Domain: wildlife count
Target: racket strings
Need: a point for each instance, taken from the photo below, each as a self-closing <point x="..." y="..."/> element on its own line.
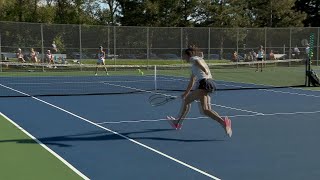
<point x="160" y="99"/>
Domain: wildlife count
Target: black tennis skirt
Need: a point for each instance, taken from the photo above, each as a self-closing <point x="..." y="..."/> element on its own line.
<point x="207" y="84"/>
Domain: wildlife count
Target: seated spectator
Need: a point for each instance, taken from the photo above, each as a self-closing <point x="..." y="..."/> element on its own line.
<point x="20" y="56"/>
<point x="248" y="57"/>
<point x="33" y="56"/>
<point x="49" y="58"/>
<point x="296" y="52"/>
<point x="253" y="55"/>
<point x="271" y="55"/>
<point x="235" y="56"/>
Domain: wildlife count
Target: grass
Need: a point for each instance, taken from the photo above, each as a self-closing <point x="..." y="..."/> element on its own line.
<point x="23" y="158"/>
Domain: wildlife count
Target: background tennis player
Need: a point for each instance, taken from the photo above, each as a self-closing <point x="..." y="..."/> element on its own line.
<point x="101" y="60"/>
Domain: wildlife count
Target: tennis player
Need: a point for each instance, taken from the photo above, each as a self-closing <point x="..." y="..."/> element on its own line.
<point x="101" y="60"/>
<point x="201" y="76"/>
<point x="260" y="58"/>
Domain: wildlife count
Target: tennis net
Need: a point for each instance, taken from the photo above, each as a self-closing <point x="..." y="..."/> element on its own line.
<point x="29" y="79"/>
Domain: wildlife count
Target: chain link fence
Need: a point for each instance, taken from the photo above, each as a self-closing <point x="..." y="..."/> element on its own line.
<point x="147" y="45"/>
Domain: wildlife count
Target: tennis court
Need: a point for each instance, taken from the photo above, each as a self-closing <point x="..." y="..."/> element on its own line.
<point x="103" y="127"/>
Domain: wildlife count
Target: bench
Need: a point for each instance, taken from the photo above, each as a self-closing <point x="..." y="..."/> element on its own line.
<point x="59" y="58"/>
<point x="6" y="55"/>
<point x="111" y="56"/>
<point x="279" y="56"/>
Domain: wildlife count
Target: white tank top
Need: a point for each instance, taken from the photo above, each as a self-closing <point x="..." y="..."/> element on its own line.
<point x="20" y="55"/>
<point x="196" y="70"/>
<point x="100" y="56"/>
<point x="260" y="54"/>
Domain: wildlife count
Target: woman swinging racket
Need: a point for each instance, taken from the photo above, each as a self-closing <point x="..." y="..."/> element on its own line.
<point x="201" y="76"/>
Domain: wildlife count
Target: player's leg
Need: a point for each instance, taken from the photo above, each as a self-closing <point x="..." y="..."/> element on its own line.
<point x="185" y="107"/>
<point x="104" y="65"/>
<point x="205" y="102"/>
<point x="96" y="73"/>
<point x="205" y="106"/>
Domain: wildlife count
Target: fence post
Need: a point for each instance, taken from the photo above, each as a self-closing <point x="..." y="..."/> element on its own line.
<point x="209" y="39"/>
<point x="42" y="47"/>
<point x="290" y="43"/>
<point x="265" y="45"/>
<point x="318" y="46"/>
<point x="181" y="44"/>
<point x="114" y="45"/>
<point x="148" y="48"/>
<point x="108" y="43"/>
<point x="80" y="46"/>
<point x="237" y="46"/>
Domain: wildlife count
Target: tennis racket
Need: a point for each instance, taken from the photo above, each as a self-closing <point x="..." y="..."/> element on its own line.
<point x="160" y="99"/>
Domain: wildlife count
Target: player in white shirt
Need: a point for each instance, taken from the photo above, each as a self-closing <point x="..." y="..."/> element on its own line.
<point x="202" y="78"/>
<point x="260" y="56"/>
<point x="101" y="60"/>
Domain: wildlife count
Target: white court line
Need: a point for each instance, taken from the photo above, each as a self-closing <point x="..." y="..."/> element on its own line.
<point x="121" y="135"/>
<point x="227" y="107"/>
<point x="157" y="120"/>
<point x="46" y="148"/>
<point x="204" y="117"/>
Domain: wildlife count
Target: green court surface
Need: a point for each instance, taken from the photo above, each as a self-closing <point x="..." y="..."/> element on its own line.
<point x="23" y="158"/>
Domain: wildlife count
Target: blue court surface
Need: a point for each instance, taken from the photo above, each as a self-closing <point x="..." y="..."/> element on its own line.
<point x="121" y="136"/>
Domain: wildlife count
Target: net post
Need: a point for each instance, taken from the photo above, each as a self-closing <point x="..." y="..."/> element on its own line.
<point x="155" y="77"/>
<point x="309" y="53"/>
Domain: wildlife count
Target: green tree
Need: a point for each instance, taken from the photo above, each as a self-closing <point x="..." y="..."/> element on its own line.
<point x="275" y="13"/>
<point x="169" y="13"/>
<point x="312" y="9"/>
<point x="131" y="13"/>
<point x="223" y="13"/>
<point x="18" y="10"/>
<point x="110" y="13"/>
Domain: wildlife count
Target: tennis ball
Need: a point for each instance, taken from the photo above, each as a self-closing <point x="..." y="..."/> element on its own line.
<point x="142" y="73"/>
<point x="139" y="70"/>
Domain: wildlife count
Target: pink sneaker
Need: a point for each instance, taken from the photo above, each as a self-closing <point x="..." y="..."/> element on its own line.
<point x="175" y="126"/>
<point x="228" y="128"/>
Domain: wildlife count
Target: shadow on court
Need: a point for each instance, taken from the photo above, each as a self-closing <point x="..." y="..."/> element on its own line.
<point x="104" y="136"/>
